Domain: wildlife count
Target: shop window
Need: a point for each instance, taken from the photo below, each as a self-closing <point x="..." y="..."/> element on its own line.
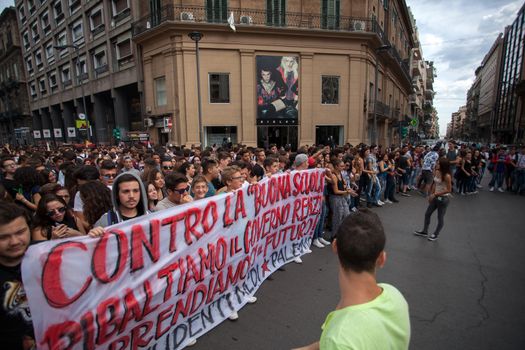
<point x="219" y="87"/>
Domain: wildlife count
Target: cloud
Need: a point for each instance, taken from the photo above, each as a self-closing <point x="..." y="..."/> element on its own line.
<point x="456" y="35"/>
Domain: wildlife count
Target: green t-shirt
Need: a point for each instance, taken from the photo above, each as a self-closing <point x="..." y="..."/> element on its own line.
<point x="381" y="324"/>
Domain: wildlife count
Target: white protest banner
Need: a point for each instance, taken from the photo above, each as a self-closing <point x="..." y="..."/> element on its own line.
<point x="162" y="279"/>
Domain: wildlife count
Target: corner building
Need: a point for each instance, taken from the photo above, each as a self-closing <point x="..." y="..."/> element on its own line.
<point x="294" y="72"/>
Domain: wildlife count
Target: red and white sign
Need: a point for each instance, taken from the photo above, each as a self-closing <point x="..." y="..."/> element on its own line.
<point x="162" y="279"/>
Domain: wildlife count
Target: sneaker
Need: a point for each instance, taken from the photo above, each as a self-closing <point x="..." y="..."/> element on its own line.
<point x="420" y="233"/>
<point x="377" y="205"/>
<point x="479" y="186"/>
<point x="354" y="210"/>
<point x="308" y="251"/>
<point x="404" y="194"/>
<point x="432" y="237"/>
<point x="234" y="316"/>
<point x="298" y="260"/>
<point x="251" y="300"/>
<point x="324" y="241"/>
<point x="317" y="243"/>
<point x="491" y="189"/>
<point x="501" y="189"/>
<point x="475" y="192"/>
<point x="388" y="201"/>
<point x="380" y="202"/>
<point x="192" y="342"/>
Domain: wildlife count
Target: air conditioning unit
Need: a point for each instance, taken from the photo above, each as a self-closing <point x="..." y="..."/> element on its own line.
<point x="148" y="122"/>
<point x="246" y="20"/>
<point x="358" y="26"/>
<point x="187" y="16"/>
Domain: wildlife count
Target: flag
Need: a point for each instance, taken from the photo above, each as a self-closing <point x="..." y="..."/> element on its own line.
<point x="231" y="21"/>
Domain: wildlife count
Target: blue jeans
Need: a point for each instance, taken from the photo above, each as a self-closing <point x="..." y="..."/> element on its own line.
<point x="497" y="179"/>
<point x="374" y="190"/>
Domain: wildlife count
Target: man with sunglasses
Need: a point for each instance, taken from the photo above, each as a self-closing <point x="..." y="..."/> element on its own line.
<point x="108" y="172"/>
<point x="166" y="166"/>
<point x="178" y="191"/>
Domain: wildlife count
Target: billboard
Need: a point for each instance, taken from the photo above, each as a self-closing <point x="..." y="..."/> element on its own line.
<point x="277" y="90"/>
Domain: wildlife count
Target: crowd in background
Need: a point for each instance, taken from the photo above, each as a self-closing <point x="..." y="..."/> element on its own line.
<point x="73" y="191"/>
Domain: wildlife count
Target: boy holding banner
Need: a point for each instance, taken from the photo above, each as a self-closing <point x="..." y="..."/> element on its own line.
<point x="369" y="315"/>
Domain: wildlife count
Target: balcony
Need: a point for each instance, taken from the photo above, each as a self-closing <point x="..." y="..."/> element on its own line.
<point x="383" y="110"/>
<point x="254" y="17"/>
<point x="101" y="70"/>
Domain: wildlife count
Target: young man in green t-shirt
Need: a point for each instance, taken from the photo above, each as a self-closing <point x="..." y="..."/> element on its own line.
<point x="369" y="315"/>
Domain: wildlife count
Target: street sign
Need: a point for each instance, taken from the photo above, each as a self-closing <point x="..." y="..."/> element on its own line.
<point x="36" y="134"/>
<point x="57" y="132"/>
<point x="81" y="116"/>
<point x="414" y="122"/>
<point x="81" y="124"/>
<point x="46" y="133"/>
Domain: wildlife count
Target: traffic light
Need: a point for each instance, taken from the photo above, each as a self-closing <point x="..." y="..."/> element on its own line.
<point x="116" y="133"/>
<point x="404" y="132"/>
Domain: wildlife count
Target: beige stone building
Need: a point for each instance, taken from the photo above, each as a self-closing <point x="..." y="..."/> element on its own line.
<point x="318" y="58"/>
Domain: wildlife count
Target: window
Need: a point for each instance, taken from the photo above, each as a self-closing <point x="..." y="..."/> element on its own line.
<point x="276" y="12"/>
<point x="217" y="10"/>
<point x="45" y="23"/>
<point x="81" y="67"/>
<point x="74" y="6"/>
<point x="100" y="62"/>
<point x="77" y="32"/>
<point x="25" y="39"/>
<point x="22" y="13"/>
<point x="65" y="72"/>
<point x="61" y="40"/>
<point x="160" y="91"/>
<point x="119" y="6"/>
<point x="219" y="88"/>
<point x="29" y="65"/>
<point x="38" y="59"/>
<point x="50" y="52"/>
<point x="330" y="90"/>
<point x="42" y="84"/>
<point x="31" y="6"/>
<point x="123" y="47"/>
<point x="58" y="12"/>
<point x="330" y="12"/>
<point x="34" y="32"/>
<point x="32" y="88"/>
<point x="52" y="77"/>
<point x="96" y="19"/>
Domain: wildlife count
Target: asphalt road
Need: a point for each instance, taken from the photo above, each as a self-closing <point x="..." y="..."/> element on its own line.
<point x="465" y="291"/>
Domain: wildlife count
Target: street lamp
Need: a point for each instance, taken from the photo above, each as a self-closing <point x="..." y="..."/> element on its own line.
<point x="77" y="51"/>
<point x="377" y="51"/>
<point x="197" y="36"/>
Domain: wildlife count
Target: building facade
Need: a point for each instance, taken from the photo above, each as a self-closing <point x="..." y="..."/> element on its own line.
<point x="15" y="115"/>
<point x="490" y="75"/>
<point x="294" y="72"/>
<point x="81" y="68"/>
<point x="509" y="122"/>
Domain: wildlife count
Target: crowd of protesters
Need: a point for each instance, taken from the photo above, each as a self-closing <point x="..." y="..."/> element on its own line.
<point x="68" y="191"/>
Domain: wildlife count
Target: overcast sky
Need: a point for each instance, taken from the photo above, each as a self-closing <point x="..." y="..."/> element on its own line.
<point x="456" y="35"/>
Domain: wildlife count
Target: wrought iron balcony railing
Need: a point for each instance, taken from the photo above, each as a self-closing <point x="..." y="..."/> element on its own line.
<point x="254" y="17"/>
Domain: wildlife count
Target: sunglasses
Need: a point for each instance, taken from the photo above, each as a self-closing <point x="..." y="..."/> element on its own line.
<point x="109" y="176"/>
<point x="167" y="167"/>
<point x="53" y="212"/>
<point x="238" y="177"/>
<point x="184" y="190"/>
